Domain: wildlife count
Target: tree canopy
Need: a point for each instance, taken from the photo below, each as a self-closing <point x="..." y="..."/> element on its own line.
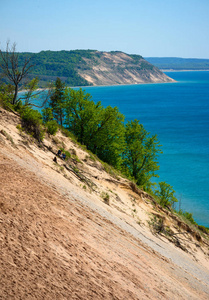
<point x="100" y="129"/>
<point x="140" y="153"/>
<point x="128" y="147"/>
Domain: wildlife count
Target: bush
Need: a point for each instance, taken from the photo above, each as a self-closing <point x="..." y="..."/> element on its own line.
<point x="203" y="229"/>
<point x="156" y="224"/>
<point x="165" y="195"/>
<point x="188" y="216"/>
<point x="6" y="95"/>
<point x="52" y="127"/>
<point x="32" y="123"/>
<point x="106" y="198"/>
<point x="19" y="106"/>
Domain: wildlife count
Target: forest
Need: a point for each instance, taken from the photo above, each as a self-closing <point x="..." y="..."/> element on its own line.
<point x="177" y="63"/>
<point x="48" y="65"/>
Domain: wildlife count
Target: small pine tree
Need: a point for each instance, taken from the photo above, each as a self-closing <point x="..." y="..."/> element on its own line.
<point x="57" y="101"/>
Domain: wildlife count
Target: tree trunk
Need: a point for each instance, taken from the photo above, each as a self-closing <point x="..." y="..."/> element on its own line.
<point x="15" y="95"/>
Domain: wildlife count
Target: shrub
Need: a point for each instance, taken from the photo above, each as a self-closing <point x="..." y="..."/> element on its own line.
<point x="106" y="198"/>
<point x="6" y="95"/>
<point x="188" y="216"/>
<point x="203" y="229"/>
<point x="19" y="127"/>
<point x="32" y="123"/>
<point x="8" y="137"/>
<point x="165" y="194"/>
<point x="156" y="224"/>
<point x="19" y="106"/>
<point x="65" y="132"/>
<point x="52" y="127"/>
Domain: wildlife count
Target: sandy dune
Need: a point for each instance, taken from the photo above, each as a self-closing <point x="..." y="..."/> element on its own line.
<point x="59" y="240"/>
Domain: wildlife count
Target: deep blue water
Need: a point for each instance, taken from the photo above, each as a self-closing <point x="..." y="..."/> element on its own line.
<point x="179" y="114"/>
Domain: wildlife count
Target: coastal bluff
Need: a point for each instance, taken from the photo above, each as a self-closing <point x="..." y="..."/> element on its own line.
<point x="93" y="68"/>
<point x="61" y="237"/>
<point x="114" y="68"/>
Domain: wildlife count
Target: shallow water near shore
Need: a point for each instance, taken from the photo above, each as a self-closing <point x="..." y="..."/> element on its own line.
<point x="179" y="114"/>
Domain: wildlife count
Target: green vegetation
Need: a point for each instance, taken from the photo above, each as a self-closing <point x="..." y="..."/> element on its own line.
<point x="106" y="198"/>
<point x="177" y="63"/>
<point x="100" y="129"/>
<point x="32" y="123"/>
<point x="140" y="154"/>
<point x="156" y="224"/>
<point x="188" y="216"/>
<point x="52" y="127"/>
<point x="165" y="194"/>
<point x="126" y="147"/>
<point x="6" y="95"/>
<point x="57" y="102"/>
<point x="8" y="137"/>
<point x="48" y="65"/>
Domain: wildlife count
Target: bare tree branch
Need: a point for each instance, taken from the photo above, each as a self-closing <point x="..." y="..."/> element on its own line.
<point x="9" y="65"/>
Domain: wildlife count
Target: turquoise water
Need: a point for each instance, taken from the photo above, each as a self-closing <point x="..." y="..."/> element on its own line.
<point x="179" y="114"/>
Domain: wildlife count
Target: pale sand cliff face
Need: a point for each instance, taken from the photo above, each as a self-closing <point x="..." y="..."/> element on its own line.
<point x="60" y="240"/>
<point x="111" y="69"/>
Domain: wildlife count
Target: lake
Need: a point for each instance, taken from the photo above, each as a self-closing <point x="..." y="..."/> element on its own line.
<point x="179" y="114"/>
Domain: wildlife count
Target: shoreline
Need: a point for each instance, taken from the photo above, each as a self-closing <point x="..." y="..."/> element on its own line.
<point x="113" y="85"/>
<point x="182" y="70"/>
<point x="132" y="84"/>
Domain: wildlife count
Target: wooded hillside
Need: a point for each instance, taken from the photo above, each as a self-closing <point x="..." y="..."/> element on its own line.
<point x="177" y="63"/>
<point x="91" y="67"/>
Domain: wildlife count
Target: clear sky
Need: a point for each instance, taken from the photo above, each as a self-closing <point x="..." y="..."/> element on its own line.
<point x="158" y="28"/>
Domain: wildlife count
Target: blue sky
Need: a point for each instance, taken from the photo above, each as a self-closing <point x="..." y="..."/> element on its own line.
<point x="158" y="28"/>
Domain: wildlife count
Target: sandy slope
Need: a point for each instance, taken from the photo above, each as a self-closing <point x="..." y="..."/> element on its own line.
<point x="58" y="238"/>
<point x="107" y="68"/>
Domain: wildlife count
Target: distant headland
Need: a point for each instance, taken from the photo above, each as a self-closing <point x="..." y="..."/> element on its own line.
<point x="179" y="64"/>
<point x="93" y="68"/>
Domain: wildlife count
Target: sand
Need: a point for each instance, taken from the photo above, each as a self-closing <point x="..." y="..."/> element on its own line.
<point x="60" y="240"/>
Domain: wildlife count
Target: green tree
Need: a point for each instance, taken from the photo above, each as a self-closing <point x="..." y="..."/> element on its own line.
<point x="30" y="93"/>
<point x="140" y="154"/>
<point x="47" y="114"/>
<point x="107" y="137"/>
<point x="57" y="101"/>
<point x="81" y="113"/>
<point x="100" y="129"/>
<point x="165" y="193"/>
